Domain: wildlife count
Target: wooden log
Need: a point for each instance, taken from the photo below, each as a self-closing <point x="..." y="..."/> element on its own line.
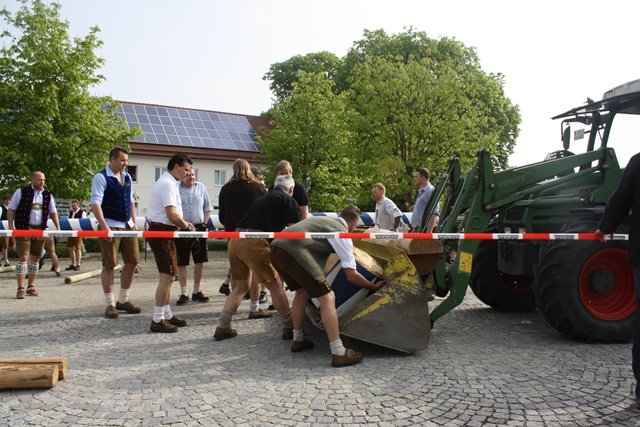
<point x="8" y="269"/>
<point x="28" y="376"/>
<point x="61" y="362"/>
<point x="87" y="275"/>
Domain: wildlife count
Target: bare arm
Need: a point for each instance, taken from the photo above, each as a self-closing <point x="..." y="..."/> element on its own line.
<point x="431" y="224"/>
<point x="134" y="215"/>
<point x="360" y="281"/>
<point x="304" y="212"/>
<point x="206" y="208"/>
<point x="176" y="218"/>
<point x="10" y="216"/>
<point x="97" y="212"/>
<point x="601" y="234"/>
<point x="54" y="217"/>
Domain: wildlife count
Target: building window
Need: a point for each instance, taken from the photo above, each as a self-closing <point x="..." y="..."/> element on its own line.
<point x="219" y="177"/>
<point x="196" y="173"/>
<point x="133" y="171"/>
<point x="159" y="171"/>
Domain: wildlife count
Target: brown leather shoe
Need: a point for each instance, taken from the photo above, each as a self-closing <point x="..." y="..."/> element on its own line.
<point x="31" y="291"/>
<point x="20" y="294"/>
<point x="199" y="297"/>
<point x="183" y="299"/>
<point x="298" y="346"/>
<point x="177" y="322"/>
<point x="111" y="312"/>
<point x="350" y="357"/>
<point x="128" y="307"/>
<point x="163" y="326"/>
<point x="260" y="314"/>
<point x="224" y="333"/>
<point x="287" y="333"/>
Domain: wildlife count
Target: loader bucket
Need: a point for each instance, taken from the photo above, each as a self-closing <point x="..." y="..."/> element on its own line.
<point x="397" y="315"/>
<point x="424" y="254"/>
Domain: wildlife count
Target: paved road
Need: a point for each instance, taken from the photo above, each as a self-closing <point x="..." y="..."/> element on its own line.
<point x="481" y="368"/>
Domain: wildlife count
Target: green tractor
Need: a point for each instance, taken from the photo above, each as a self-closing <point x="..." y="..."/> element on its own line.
<point x="585" y="289"/>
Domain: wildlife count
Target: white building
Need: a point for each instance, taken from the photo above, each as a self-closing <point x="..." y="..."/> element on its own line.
<point x="212" y="139"/>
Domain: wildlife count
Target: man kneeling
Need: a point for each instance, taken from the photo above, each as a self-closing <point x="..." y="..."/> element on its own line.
<point x="301" y="263"/>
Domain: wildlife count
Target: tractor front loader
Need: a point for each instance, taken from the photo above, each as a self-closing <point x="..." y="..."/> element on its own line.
<point x="585" y="289"/>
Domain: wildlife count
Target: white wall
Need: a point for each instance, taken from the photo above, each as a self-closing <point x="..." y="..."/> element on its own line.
<point x="146" y="177"/>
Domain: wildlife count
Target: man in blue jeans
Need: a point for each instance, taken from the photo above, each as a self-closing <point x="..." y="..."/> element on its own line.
<point x="625" y="200"/>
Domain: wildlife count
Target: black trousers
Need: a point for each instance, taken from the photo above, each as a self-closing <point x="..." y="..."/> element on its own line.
<point x="635" y="351"/>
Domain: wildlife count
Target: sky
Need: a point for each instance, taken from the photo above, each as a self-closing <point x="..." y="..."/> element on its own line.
<point x="212" y="54"/>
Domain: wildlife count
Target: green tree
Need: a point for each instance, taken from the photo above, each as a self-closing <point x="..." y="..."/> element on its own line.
<point x="408" y="113"/>
<point x="312" y="133"/>
<point x="435" y="96"/>
<point x="282" y="75"/>
<point x="414" y="101"/>
<point x="48" y="119"/>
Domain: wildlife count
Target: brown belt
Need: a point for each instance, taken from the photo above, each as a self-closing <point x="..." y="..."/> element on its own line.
<point x="158" y="226"/>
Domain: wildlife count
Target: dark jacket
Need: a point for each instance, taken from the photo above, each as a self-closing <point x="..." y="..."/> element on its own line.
<point x="271" y="212"/>
<point x="299" y="194"/>
<point x="235" y="199"/>
<point x="625" y="200"/>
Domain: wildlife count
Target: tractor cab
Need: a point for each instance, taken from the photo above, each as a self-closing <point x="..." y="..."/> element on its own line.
<point x="594" y="119"/>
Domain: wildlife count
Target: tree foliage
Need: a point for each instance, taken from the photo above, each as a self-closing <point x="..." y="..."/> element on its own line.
<point x="283" y="75"/>
<point x="48" y="119"/>
<point x="412" y="101"/>
<point x="312" y="133"/>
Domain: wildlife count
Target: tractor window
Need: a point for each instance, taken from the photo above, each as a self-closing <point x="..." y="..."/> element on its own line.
<point x="624" y="135"/>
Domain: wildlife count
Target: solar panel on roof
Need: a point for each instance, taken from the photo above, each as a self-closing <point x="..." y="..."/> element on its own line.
<point x="189" y="128"/>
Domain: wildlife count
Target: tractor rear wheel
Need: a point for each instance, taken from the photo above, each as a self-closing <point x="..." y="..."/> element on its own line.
<point x="499" y="290"/>
<point x="586" y="290"/>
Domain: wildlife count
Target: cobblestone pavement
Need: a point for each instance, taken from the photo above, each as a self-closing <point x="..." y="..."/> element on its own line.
<point x="481" y="367"/>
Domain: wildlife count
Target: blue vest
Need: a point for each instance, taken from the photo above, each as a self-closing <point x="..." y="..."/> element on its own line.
<point x="116" y="203"/>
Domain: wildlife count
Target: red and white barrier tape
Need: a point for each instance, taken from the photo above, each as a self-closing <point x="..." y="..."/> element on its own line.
<point x="301" y="235"/>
